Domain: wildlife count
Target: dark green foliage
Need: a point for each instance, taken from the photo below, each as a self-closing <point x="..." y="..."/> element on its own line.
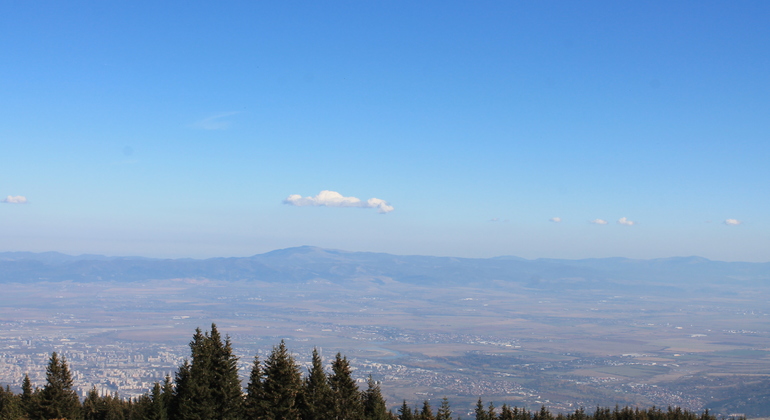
<point x="404" y="412"/>
<point x="491" y="415"/>
<point x="252" y="406"/>
<point x="91" y="405"/>
<point x="444" y="412"/>
<point x="57" y="399"/>
<point x="10" y="405"/>
<point x="158" y="404"/>
<point x="427" y="411"/>
<point x="28" y="396"/>
<point x="107" y="407"/>
<point x="316" y="401"/>
<point x="374" y="403"/>
<point x="281" y="386"/>
<point x="347" y="404"/>
<point x="481" y="413"/>
<point x="208" y="388"/>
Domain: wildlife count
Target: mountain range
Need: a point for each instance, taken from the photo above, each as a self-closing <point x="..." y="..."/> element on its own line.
<point x="312" y="264"/>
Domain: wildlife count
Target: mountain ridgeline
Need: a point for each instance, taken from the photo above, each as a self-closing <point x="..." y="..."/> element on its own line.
<point x="311" y="264"/>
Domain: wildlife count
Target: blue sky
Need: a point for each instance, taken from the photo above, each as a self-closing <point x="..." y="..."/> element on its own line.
<point x="182" y="129"/>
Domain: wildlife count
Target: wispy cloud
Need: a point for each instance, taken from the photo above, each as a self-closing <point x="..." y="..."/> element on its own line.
<point x="497" y="219"/>
<point x="733" y="222"/>
<point x="334" y="199"/>
<point x="215" y="122"/>
<point x="599" y="222"/>
<point x="555" y="219"/>
<point x="625" y="222"/>
<point x="15" y="199"/>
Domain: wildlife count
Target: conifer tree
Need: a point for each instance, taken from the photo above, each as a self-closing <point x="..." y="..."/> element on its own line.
<point x="427" y="411"/>
<point x="225" y="384"/>
<point x="544" y="414"/>
<point x="491" y="415"/>
<point x="316" y="394"/>
<point x="404" y="412"/>
<point x="481" y="413"/>
<point x="253" y="404"/>
<point x="57" y="399"/>
<point x="180" y="400"/>
<point x="91" y="405"/>
<point x="208" y="388"/>
<point x="346" y="398"/>
<point x="506" y="413"/>
<point x="167" y="396"/>
<point x="157" y="409"/>
<point x="444" y="411"/>
<point x="28" y="398"/>
<point x="282" y="385"/>
<point x="140" y="408"/>
<point x="10" y="405"/>
<point x="374" y="403"/>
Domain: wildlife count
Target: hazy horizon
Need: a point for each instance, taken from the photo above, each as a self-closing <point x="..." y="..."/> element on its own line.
<point x="373" y="252"/>
<point x="541" y="130"/>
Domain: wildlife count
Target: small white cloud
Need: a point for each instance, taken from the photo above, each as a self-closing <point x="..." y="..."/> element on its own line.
<point x="599" y="222"/>
<point x="15" y="199"/>
<point x="215" y="122"/>
<point x="624" y="221"/>
<point x="555" y="219"/>
<point x="334" y="199"/>
<point x="733" y="222"/>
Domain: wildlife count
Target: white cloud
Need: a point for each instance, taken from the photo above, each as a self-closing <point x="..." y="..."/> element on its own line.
<point x="555" y="219"/>
<point x="624" y="221"/>
<point x="599" y="222"/>
<point x="733" y="222"/>
<point x="15" y="199"/>
<point x="334" y="199"/>
<point x="215" y="122"/>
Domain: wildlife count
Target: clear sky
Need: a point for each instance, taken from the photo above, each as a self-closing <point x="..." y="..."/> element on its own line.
<point x="470" y="129"/>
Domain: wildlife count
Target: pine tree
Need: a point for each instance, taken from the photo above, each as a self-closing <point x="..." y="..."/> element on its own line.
<point x="506" y="413"/>
<point x="427" y="411"/>
<point x="345" y="395"/>
<point x="481" y="413"/>
<point x="491" y="415"/>
<point x="157" y="409"/>
<point x="404" y="412"/>
<point x="57" y="399"/>
<point x="10" y="405"/>
<point x="141" y="408"/>
<point x="316" y="394"/>
<point x="114" y="407"/>
<point x="444" y="411"/>
<point x="225" y="384"/>
<point x="544" y="414"/>
<point x="374" y="404"/>
<point x="253" y="404"/>
<point x="91" y="405"/>
<point x="282" y="385"/>
<point x="208" y="388"/>
<point x="167" y="397"/>
<point x="181" y="397"/>
<point x="29" y="398"/>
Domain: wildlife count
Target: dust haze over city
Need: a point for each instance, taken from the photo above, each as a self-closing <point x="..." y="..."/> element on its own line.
<point x="558" y="204"/>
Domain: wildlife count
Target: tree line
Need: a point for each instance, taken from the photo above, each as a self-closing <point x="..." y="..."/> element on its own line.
<point x="207" y="387"/>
